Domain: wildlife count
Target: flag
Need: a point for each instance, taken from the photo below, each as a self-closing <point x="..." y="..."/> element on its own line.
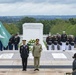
<point x="5" y="34"/>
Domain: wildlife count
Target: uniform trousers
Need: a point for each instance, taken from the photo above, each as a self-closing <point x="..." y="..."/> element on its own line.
<point x="55" y="47"/>
<point x="67" y="47"/>
<point x="63" y="45"/>
<point x="24" y="63"/>
<point x="60" y="47"/>
<point x="72" y="47"/>
<point x="10" y="46"/>
<point x="49" y="47"/>
<point x="36" y="62"/>
<point x="16" y="46"/>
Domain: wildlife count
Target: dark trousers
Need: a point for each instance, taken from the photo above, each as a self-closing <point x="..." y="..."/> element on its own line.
<point x="6" y="48"/>
<point x="24" y="63"/>
<point x="10" y="47"/>
<point x="0" y="47"/>
<point x="16" y="46"/>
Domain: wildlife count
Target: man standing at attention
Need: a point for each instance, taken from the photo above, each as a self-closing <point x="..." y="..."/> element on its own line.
<point x="24" y="52"/>
<point x="64" y="39"/>
<point x="37" y="48"/>
<point x="16" y="41"/>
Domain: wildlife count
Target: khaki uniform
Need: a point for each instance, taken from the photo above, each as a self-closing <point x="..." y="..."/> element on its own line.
<point x="37" y="48"/>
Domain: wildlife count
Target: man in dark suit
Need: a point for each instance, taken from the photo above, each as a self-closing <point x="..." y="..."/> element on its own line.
<point x="24" y="52"/>
<point x="16" y="41"/>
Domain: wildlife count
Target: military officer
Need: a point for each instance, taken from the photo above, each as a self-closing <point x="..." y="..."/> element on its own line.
<point x="54" y="41"/>
<point x="24" y="52"/>
<point x="71" y="42"/>
<point x="11" y="42"/>
<point x="16" y="41"/>
<point x="49" y="42"/>
<point x="64" y="39"/>
<point x="37" y="48"/>
<point x="59" y="41"/>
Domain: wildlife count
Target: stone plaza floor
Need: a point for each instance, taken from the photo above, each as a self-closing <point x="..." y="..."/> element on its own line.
<point x="52" y="62"/>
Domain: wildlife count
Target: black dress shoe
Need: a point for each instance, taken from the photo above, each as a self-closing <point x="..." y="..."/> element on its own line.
<point x="37" y="69"/>
<point x="23" y="70"/>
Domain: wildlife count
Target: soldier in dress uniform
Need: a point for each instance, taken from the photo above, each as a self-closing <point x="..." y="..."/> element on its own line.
<point x="37" y="48"/>
<point x="54" y="41"/>
<point x="49" y="42"/>
<point x="59" y="46"/>
<point x="16" y="41"/>
<point x="71" y="42"/>
<point x="11" y="42"/>
<point x="67" y="43"/>
<point x="24" y="52"/>
<point x="64" y="39"/>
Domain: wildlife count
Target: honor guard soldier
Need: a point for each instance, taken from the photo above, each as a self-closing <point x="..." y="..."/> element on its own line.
<point x="54" y="41"/>
<point x="71" y="42"/>
<point x="49" y="42"/>
<point x="37" y="48"/>
<point x="11" y="42"/>
<point x="24" y="52"/>
<point x="59" y="45"/>
<point x="67" y="45"/>
<point x="16" y="41"/>
<point x="64" y="39"/>
<point x="55" y="45"/>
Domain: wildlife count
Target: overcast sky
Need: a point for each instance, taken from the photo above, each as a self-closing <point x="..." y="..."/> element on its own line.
<point x="37" y="7"/>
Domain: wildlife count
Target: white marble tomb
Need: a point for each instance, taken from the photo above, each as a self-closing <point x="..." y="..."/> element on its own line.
<point x="33" y="31"/>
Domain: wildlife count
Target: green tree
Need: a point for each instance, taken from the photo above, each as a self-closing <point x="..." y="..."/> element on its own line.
<point x="12" y="28"/>
<point x="25" y="20"/>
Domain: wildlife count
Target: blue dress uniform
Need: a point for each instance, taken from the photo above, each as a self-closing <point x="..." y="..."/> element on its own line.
<point x="10" y="44"/>
<point x="63" y="39"/>
<point x="67" y="45"/>
<point x="49" y="43"/>
<point x="71" y="43"/>
<point x="59" y="46"/>
<point x="16" y="42"/>
<point x="54" y="41"/>
<point x="0" y="46"/>
<point x="24" y="52"/>
<point x="55" y="45"/>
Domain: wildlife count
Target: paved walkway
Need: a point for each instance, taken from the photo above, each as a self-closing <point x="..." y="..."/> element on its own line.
<point x="52" y="63"/>
<point x="31" y="72"/>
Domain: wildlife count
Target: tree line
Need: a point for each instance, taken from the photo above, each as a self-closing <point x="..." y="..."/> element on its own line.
<point x="52" y="26"/>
